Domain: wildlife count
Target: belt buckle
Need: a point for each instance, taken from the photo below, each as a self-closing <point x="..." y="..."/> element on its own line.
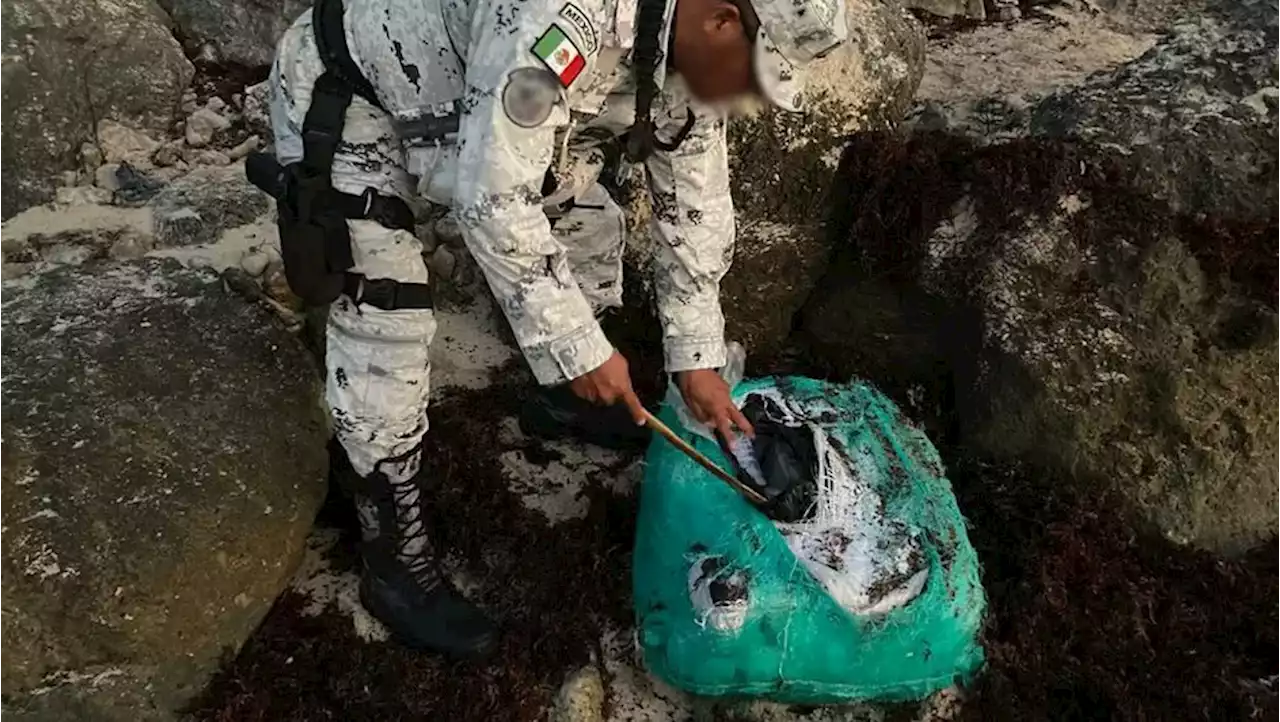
<point x="380" y="209"/>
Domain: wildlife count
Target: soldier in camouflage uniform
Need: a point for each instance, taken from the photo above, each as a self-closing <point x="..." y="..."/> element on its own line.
<point x="499" y="110"/>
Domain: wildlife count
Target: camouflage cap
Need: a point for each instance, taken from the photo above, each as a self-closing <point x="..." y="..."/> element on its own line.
<point x="793" y="33"/>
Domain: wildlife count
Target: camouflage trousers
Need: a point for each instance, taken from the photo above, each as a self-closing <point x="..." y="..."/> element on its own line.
<point x="378" y="362"/>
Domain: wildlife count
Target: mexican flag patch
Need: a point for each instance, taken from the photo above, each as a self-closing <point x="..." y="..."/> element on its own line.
<point x="560" y="55"/>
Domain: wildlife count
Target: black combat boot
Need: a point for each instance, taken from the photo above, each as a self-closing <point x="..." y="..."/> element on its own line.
<point x="556" y="412"/>
<point x="402" y="584"/>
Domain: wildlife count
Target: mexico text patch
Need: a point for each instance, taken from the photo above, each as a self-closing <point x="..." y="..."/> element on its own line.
<point x="578" y="19"/>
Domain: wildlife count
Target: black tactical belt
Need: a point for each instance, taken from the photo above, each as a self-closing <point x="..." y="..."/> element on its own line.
<point x="386" y="294"/>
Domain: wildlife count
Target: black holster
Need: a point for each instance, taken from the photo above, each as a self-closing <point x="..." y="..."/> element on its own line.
<point x="315" y="240"/>
<point x="315" y="243"/>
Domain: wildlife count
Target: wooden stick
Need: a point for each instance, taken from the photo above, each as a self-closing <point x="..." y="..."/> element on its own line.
<point x="671" y="436"/>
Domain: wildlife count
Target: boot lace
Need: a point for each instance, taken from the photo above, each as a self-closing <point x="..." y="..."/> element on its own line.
<point x="413" y="547"/>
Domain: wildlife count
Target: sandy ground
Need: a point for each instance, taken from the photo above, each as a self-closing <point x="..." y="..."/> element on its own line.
<point x="1028" y="58"/>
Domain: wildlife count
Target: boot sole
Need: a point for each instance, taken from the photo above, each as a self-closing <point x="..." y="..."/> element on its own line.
<point x="475" y="652"/>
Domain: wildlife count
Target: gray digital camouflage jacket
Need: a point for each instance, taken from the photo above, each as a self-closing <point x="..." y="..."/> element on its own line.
<point x="486" y="95"/>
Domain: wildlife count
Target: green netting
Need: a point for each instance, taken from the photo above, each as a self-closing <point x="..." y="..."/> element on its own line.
<point x="796" y="643"/>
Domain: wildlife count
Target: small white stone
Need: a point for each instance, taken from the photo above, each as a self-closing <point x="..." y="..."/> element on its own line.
<point x="255" y="264"/>
<point x="249" y="145"/>
<point x="447" y="230"/>
<point x="82" y="195"/>
<point x="205" y="156"/>
<point x="215" y="104"/>
<point x="581" y="697"/>
<point x="202" y="125"/>
<point x="443" y="263"/>
<point x="214" y="157"/>
<point x="121" y="143"/>
<point x="1262" y="102"/>
<point x="105" y="177"/>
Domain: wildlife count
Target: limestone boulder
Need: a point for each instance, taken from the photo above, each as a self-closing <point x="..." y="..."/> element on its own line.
<point x="200" y="205"/>
<point x="969" y="9"/>
<point x="164" y="460"/>
<point x="1087" y="281"/>
<point x="784" y="175"/>
<point x="67" y="65"/>
<point x="235" y="32"/>
<point x="783" y="172"/>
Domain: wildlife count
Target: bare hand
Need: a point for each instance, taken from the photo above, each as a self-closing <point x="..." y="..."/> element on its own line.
<point x="610" y="383"/>
<point x="707" y="396"/>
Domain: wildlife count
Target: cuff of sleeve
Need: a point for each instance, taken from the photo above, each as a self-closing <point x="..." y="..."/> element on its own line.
<point x="690" y="354"/>
<point x="570" y="356"/>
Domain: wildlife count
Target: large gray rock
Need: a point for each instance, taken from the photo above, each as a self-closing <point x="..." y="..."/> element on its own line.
<point x="240" y="32"/>
<point x="68" y="64"/>
<point x="200" y="205"/>
<point x="1088" y="281"/>
<point x="783" y="171"/>
<point x="163" y="464"/>
<point x="1197" y="115"/>
<point x="971" y="9"/>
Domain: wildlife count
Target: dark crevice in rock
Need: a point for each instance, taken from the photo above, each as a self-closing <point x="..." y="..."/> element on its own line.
<point x="222" y="79"/>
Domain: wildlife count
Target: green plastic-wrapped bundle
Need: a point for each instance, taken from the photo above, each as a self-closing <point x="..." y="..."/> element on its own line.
<point x="877" y="596"/>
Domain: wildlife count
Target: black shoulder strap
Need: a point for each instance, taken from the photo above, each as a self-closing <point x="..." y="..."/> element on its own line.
<point x="331" y="42"/>
<point x="644" y="59"/>
<point x="326" y="116"/>
<point x="641" y="141"/>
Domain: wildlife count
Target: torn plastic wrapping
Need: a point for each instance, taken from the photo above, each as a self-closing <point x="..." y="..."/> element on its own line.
<point x="778" y="446"/>
<point x="719" y="595"/>
<point x="818" y="497"/>
<point x="821" y="498"/>
<point x="781" y="462"/>
<point x="861" y="585"/>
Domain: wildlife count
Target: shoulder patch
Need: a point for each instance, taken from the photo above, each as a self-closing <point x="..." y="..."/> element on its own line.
<point x="580" y="22"/>
<point x="556" y="51"/>
<point x="529" y="95"/>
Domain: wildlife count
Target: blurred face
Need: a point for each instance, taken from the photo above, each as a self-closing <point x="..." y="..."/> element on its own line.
<point x="712" y="49"/>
